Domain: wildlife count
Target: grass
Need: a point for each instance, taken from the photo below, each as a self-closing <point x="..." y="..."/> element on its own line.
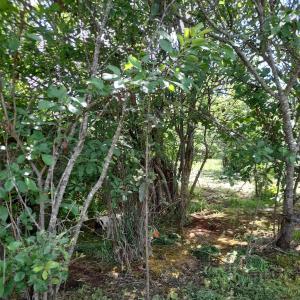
<point x="212" y="168"/>
<point x="95" y="247"/>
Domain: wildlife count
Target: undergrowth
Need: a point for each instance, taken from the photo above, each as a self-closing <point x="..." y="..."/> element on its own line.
<point x="248" y="278"/>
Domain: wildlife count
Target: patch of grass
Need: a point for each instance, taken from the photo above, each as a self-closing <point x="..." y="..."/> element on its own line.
<point x="213" y="165"/>
<point x="199" y="203"/>
<point x="212" y="168"/>
<point x="96" y="247"/>
<point x="246" y="279"/>
<point x="296" y="236"/>
<point x="167" y="239"/>
<point x="206" y="252"/>
<point x="85" y="292"/>
<point x="247" y="205"/>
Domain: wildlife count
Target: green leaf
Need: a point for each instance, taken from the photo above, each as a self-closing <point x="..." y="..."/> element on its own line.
<point x="3" y="213"/>
<point x="205" y="31"/>
<point x="21" y="159"/>
<point x="19" y="276"/>
<point x="34" y="37"/>
<point x="114" y="69"/>
<point x="51" y="265"/>
<point x="42" y="198"/>
<point x="3" y="193"/>
<point x="96" y="82"/>
<point x="171" y="88"/>
<point x="57" y="92"/>
<point x="91" y="168"/>
<point x="135" y="62"/>
<point x="128" y="66"/>
<point x="37" y="268"/>
<point x="55" y="281"/>
<point x="44" y="104"/>
<point x="186" y="33"/>
<point x="4" y="5"/>
<point x="180" y="39"/>
<point x="13" y="43"/>
<point x="45" y="275"/>
<point x="166" y="45"/>
<point x="4" y="174"/>
<point x="154" y="8"/>
<point x="47" y="159"/>
<point x="9" y="184"/>
<point x="198" y="42"/>
<point x="228" y="51"/>
<point x="21" y="186"/>
<point x="21" y="258"/>
<point x="13" y="246"/>
<point x="31" y="184"/>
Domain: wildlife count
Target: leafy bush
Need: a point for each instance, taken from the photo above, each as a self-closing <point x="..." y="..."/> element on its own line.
<point x="168" y="239"/>
<point x="206" y="252"/>
<point x="36" y="261"/>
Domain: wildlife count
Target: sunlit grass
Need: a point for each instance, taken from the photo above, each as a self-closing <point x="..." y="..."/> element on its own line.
<point x="212" y="168"/>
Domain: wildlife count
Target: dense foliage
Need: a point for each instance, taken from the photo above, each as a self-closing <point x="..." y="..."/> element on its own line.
<point x="106" y="106"/>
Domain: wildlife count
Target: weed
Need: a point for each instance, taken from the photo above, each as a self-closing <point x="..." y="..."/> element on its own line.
<point x="296" y="236"/>
<point x="206" y="252"/>
<point x="97" y="248"/>
<point x="167" y="239"/>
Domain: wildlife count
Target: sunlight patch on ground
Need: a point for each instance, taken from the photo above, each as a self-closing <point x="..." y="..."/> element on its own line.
<point x="210" y="178"/>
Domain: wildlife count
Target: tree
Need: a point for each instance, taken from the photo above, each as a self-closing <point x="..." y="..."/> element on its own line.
<point x="264" y="37"/>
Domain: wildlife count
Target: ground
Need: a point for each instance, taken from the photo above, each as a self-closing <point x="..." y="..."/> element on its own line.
<point x="225" y="252"/>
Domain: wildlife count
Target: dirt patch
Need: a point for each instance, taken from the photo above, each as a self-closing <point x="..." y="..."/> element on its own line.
<point x="87" y="272"/>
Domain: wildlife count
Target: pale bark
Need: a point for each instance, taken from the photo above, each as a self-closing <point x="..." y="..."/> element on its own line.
<point x="59" y="194"/>
<point x="97" y="185"/>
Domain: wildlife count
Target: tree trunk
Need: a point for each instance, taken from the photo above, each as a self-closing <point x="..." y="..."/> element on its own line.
<point x="287" y="225"/>
<point x="185" y="174"/>
<point x="206" y="153"/>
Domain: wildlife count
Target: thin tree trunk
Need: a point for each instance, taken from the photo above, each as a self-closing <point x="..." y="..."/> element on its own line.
<point x="275" y="204"/>
<point x="185" y="175"/>
<point x="59" y="194"/>
<point x="97" y="185"/>
<point x="202" y="164"/>
<point x="165" y="183"/>
<point x="287" y="225"/>
<point x="147" y="204"/>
